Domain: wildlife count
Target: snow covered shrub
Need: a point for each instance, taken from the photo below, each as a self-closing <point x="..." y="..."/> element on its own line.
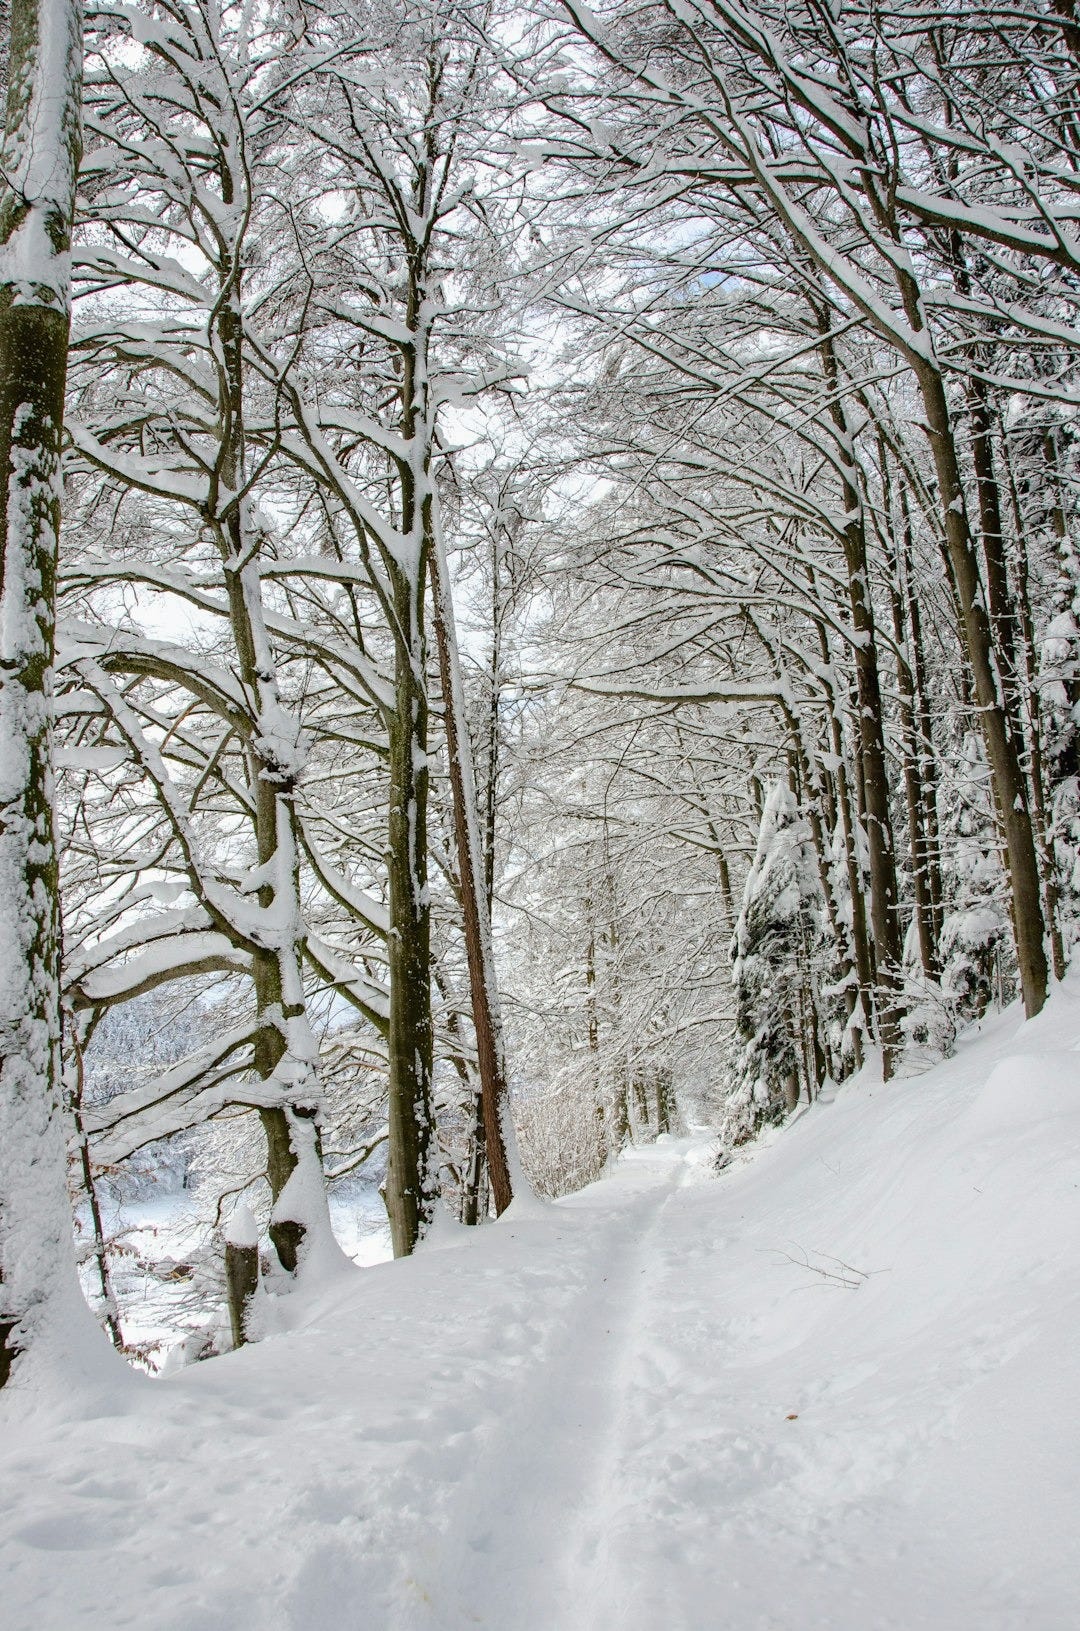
<point x="972" y="943"/>
<point x="930" y="1020"/>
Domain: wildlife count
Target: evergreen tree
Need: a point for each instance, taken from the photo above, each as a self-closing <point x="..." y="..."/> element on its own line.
<point x="773" y="931"/>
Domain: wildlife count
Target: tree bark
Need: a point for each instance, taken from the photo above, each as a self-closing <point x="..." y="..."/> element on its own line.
<point x="926" y="921"/>
<point x="242" y="1282"/>
<point x="1002" y="747"/>
<point x="410" y="1187"/>
<point x="884" y="898"/>
<point x="926" y="760"/>
<point x="592" y="1021"/>
<point x="41" y="150"/>
<point x="285" y="1051"/>
<point x="110" y="1311"/>
<point x="494" y="1092"/>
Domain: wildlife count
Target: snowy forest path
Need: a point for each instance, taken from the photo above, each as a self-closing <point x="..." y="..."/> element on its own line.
<point x="527" y="1544"/>
<point x="660" y="1404"/>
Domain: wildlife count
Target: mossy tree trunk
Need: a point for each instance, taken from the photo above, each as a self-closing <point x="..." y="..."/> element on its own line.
<point x="41" y="151"/>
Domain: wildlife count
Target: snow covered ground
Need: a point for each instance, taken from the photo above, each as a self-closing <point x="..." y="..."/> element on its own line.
<point x="834" y="1387"/>
<point x="158" y="1307"/>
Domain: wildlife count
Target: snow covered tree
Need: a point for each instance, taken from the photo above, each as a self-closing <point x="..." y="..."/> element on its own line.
<point x="178" y="152"/>
<point x="215" y="198"/>
<point x="788" y="501"/>
<point x="977" y="966"/>
<point x="407" y="147"/>
<point x="770" y="953"/>
<point x="885" y="202"/>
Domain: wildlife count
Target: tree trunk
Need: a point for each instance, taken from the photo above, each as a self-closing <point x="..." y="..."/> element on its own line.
<point x="1003" y="620"/>
<point x="285" y="1051"/>
<point x="884" y="901"/>
<point x="1002" y="748"/>
<point x="241" y="1271"/>
<point x="665" y="1101"/>
<point x="861" y="947"/>
<point x="858" y="971"/>
<point x="848" y="979"/>
<point x="110" y="1311"/>
<point x="1034" y="721"/>
<point x="926" y="924"/>
<point x="926" y="759"/>
<point x="592" y="1020"/>
<point x="641" y="1103"/>
<point x="41" y="150"/>
<point x="498" y="1133"/>
<point x="410" y="1182"/>
<point x="474" y="1186"/>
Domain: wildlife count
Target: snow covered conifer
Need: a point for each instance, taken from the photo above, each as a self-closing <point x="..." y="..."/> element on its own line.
<point x="768" y="957"/>
<point x="975" y="933"/>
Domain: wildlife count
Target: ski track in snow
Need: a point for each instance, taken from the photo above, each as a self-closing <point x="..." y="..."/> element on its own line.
<point x="545" y="1477"/>
<point x="644" y="1408"/>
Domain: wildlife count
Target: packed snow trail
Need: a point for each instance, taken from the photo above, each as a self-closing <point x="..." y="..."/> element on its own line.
<point x="832" y="1389"/>
<point x="542" y="1478"/>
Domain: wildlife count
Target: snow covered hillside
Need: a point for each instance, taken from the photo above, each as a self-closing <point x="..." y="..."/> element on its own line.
<point x="833" y="1387"/>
